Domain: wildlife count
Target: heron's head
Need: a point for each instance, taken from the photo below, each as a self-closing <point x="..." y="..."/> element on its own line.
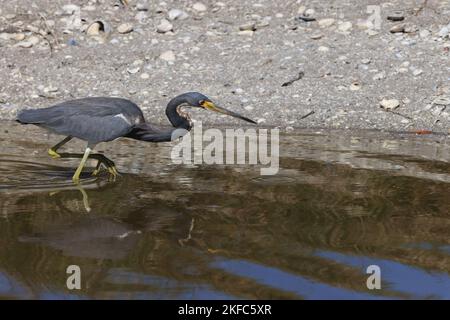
<point x="199" y="100"/>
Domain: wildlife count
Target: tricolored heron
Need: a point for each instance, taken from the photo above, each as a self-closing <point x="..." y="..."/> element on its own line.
<point x="101" y="119"/>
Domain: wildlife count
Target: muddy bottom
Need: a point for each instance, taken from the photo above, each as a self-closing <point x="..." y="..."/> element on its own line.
<point x="341" y="202"/>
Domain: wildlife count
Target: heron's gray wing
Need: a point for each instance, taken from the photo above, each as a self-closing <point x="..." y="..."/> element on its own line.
<point x="94" y="129"/>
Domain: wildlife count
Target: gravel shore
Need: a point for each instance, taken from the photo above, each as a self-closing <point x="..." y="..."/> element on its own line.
<point x="292" y="64"/>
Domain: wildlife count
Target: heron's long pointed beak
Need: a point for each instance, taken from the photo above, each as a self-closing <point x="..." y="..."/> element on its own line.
<point x="211" y="106"/>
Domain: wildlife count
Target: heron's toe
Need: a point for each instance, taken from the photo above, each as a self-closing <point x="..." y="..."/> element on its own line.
<point x="52" y="153"/>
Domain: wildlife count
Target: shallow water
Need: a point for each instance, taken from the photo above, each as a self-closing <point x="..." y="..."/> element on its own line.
<point x="340" y="203"/>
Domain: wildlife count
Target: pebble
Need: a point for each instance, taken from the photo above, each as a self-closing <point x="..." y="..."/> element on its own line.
<point x="355" y="86"/>
<point x="18" y="36"/>
<point x="316" y="36"/>
<point x="417" y="72"/>
<point x="389" y="104"/>
<point x="145" y="76"/>
<point x="176" y="14"/>
<point x="94" y="29"/>
<point x="133" y="70"/>
<point x="396" y="16"/>
<point x="141" y="7"/>
<point x="199" y="7"/>
<point x="125" y="28"/>
<point x="399" y="28"/>
<point x="246" y="33"/>
<point x="325" y="23"/>
<point x="366" y="61"/>
<point x="31" y="41"/>
<point x="345" y="26"/>
<point x="50" y="89"/>
<point x="443" y="101"/>
<point x="444" y="32"/>
<point x="168" y="56"/>
<point x="309" y="12"/>
<point x="164" y="26"/>
<point x="323" y="49"/>
<point x="248" y="26"/>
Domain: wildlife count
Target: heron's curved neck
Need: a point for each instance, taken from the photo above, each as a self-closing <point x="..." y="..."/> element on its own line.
<point x="177" y="117"/>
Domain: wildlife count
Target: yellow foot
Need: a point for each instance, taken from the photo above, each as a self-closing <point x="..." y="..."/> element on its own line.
<point x="95" y="172"/>
<point x="76" y="179"/>
<point x="52" y="153"/>
<point x="113" y="173"/>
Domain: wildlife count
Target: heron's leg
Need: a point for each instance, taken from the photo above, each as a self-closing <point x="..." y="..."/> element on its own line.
<point x="76" y="176"/>
<point x="109" y="164"/>
<point x="52" y="151"/>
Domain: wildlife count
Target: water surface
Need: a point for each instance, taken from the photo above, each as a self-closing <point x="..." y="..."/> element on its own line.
<point x="340" y="202"/>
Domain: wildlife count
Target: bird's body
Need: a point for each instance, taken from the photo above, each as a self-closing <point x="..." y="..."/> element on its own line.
<point x="96" y="119"/>
<point x="102" y="119"/>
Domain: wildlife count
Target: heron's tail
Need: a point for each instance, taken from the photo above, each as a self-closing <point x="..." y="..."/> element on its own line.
<point x="30" y="116"/>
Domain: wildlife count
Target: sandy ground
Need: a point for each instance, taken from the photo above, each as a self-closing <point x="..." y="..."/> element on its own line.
<point x="260" y="58"/>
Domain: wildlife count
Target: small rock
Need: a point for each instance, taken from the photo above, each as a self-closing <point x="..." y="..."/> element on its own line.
<point x="168" y="56"/>
<point x="417" y="72"/>
<point x="164" y="26"/>
<point x="246" y="33"/>
<point x="199" y="7"/>
<point x="396" y="16"/>
<point x="50" y="89"/>
<point x="364" y="24"/>
<point x="31" y="41"/>
<point x="247" y="26"/>
<point x="133" y="70"/>
<point x="443" y="101"/>
<point x="141" y="7"/>
<point x="389" y="104"/>
<point x="316" y="36"/>
<point x="399" y="28"/>
<point x="94" y="29"/>
<point x="345" y="26"/>
<point x="323" y="49"/>
<point x="19" y="36"/>
<point x="125" y="28"/>
<point x="355" y="86"/>
<point x="309" y="12"/>
<point x="366" y="61"/>
<point x="176" y="14"/>
<point x="145" y="76"/>
<point x="444" y="32"/>
<point x="325" y="23"/>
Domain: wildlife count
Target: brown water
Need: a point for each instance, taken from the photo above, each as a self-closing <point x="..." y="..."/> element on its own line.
<point x="340" y="203"/>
